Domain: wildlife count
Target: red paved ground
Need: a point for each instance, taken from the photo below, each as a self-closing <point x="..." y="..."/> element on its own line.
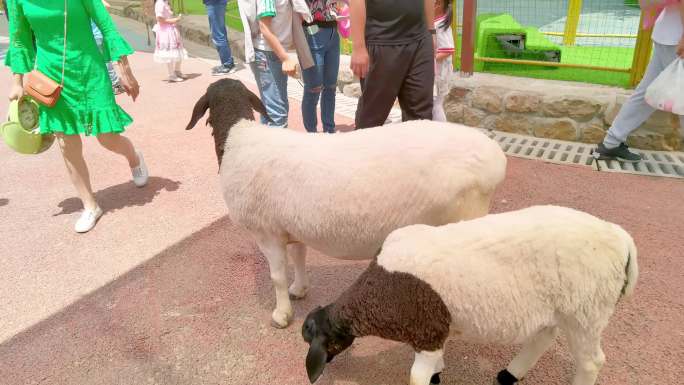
<point x="167" y="291"/>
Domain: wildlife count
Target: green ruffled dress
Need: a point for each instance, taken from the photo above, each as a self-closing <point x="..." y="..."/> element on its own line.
<point x="87" y="104"/>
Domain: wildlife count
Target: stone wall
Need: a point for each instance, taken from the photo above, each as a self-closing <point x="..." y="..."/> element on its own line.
<point x="543" y="108"/>
<point x="552" y="109"/>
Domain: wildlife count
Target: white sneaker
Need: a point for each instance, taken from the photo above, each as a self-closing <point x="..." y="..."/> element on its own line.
<point x="88" y="220"/>
<point x="140" y="173"/>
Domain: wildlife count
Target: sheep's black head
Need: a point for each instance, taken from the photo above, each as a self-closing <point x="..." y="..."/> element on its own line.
<point x="228" y="102"/>
<point x="325" y="340"/>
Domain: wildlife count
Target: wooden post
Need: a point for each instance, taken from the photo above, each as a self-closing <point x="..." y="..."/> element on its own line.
<point x="572" y="22"/>
<point x="642" y="54"/>
<point x="468" y="42"/>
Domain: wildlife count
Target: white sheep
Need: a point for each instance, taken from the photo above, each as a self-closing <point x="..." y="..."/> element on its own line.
<point x="341" y="194"/>
<point x="512" y="278"/>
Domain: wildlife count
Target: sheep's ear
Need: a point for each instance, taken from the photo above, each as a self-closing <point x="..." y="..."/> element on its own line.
<point x="198" y="112"/>
<point x="256" y="103"/>
<point x="316" y="358"/>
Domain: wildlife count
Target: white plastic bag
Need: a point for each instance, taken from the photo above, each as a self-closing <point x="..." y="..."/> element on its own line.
<point x="666" y="93"/>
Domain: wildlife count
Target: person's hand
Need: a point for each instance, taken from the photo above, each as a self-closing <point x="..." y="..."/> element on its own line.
<point x="127" y="80"/>
<point x="16" y="92"/>
<point x="290" y="67"/>
<point x="680" y="48"/>
<point x="360" y="62"/>
<point x="106" y="4"/>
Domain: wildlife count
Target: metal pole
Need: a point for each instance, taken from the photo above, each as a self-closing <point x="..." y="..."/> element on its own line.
<point x="454" y="31"/>
<point x="468" y="42"/>
<point x="572" y="22"/>
<point x="642" y="54"/>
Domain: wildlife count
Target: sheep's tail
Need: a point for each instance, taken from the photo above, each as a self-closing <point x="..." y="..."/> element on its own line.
<point x="631" y="266"/>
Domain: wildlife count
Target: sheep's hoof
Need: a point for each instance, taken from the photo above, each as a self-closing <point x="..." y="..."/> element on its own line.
<point x="435" y="380"/>
<point x="296" y="297"/>
<point x="297" y="294"/>
<point x="280" y="320"/>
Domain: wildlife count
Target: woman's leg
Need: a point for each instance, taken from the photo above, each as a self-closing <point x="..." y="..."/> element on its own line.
<point x="120" y="145"/>
<point x="635" y="111"/>
<point x="72" y="152"/>
<point x="313" y="81"/>
<point x="331" y="69"/>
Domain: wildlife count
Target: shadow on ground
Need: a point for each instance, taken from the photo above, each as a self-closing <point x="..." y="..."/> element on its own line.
<point x="198" y="313"/>
<point x="122" y="195"/>
<point x="4" y="202"/>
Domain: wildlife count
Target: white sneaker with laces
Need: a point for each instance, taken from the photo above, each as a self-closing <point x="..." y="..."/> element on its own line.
<point x="140" y="173"/>
<point x="88" y="220"/>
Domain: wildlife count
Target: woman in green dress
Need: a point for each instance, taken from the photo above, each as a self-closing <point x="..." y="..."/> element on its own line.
<point x="86" y="105"/>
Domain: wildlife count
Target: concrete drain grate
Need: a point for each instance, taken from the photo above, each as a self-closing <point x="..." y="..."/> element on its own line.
<point x="654" y="163"/>
<point x="549" y="150"/>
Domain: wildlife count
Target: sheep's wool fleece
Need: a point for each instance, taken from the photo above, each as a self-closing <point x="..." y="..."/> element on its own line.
<point x="506" y="276"/>
<point x="318" y="188"/>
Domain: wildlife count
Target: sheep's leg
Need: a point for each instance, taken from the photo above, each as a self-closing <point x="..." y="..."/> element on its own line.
<point x="300" y="286"/>
<point x="275" y="251"/>
<point x="425" y="365"/>
<point x="588" y="355"/>
<point x="528" y="356"/>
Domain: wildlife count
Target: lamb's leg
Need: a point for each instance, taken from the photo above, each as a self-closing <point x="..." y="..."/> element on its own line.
<point x="300" y="286"/>
<point x="425" y="365"/>
<point x="528" y="356"/>
<point x="275" y="251"/>
<point x="589" y="358"/>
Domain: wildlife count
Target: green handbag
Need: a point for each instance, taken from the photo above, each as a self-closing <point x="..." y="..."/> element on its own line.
<point x="20" y="132"/>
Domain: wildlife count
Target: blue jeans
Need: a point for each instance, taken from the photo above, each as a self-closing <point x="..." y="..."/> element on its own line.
<point x="321" y="79"/>
<point x="272" y="83"/>
<point x="216" y="11"/>
<point x="98" y="39"/>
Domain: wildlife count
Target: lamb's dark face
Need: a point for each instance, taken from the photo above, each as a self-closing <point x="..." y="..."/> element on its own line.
<point x="325" y="341"/>
<point x="228" y="102"/>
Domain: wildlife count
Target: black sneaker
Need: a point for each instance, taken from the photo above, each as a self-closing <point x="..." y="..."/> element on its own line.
<point x="223" y="70"/>
<point x="620" y="153"/>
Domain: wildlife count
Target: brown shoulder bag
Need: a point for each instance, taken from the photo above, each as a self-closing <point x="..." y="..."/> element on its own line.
<point x="40" y="87"/>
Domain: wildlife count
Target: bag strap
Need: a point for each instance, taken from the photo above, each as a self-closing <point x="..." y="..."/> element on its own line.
<point x="65" y="40"/>
<point x="35" y="65"/>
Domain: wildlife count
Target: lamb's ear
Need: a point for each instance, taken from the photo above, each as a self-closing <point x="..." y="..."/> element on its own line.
<point x="256" y="103"/>
<point x="316" y="358"/>
<point x="198" y="112"/>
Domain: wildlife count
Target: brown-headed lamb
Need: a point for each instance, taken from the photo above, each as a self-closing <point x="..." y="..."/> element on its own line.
<point x="514" y="278"/>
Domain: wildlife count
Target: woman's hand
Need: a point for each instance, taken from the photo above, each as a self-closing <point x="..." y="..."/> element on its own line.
<point x="17" y="90"/>
<point x="126" y="78"/>
<point x="290" y="67"/>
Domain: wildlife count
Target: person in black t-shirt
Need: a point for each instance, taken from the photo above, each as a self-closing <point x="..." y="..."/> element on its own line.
<point x="393" y="55"/>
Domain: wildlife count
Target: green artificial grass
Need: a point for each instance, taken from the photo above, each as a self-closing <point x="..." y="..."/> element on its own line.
<point x="196" y="7"/>
<point x="536" y="44"/>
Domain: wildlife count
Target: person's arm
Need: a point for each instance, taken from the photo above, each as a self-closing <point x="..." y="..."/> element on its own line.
<point x="680" y="47"/>
<point x="21" y="54"/>
<point x="429" y="6"/>
<point x="360" y="61"/>
<point x="116" y="49"/>
<point x="429" y="13"/>
<point x="440" y="56"/>
<point x="289" y="64"/>
<point x="159" y="11"/>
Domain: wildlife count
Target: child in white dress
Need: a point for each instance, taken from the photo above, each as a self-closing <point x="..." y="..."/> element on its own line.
<point x="169" y="45"/>
<point x="443" y="57"/>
